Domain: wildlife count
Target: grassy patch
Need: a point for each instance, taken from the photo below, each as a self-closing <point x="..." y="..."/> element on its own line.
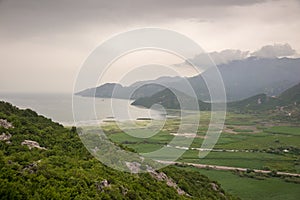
<point x="243" y="130"/>
<point x="288" y="130"/>
<point x="253" y="160"/>
<point x="249" y="188"/>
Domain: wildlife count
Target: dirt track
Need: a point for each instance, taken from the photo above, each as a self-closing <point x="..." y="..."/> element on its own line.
<point x="226" y="168"/>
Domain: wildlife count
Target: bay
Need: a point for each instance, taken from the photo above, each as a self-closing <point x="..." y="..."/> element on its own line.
<point x="58" y="107"/>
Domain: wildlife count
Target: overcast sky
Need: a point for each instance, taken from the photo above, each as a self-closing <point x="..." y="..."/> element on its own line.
<point x="44" y="43"/>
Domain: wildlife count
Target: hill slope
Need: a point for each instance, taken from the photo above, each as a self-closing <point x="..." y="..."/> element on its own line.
<point x="40" y="159"/>
<point x="169" y="100"/>
<point x="242" y="79"/>
<point x="291" y="95"/>
<point x="261" y="102"/>
<point x="115" y="90"/>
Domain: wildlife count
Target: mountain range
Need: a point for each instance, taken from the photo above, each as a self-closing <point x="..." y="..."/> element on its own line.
<point x="242" y="79"/>
<point x="167" y="98"/>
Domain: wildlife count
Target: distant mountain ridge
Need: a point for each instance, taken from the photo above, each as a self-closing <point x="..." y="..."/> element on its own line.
<point x="262" y="102"/>
<point x="115" y="90"/>
<point x="242" y="79"/>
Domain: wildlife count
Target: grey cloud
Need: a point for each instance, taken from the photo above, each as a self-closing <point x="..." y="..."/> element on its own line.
<point x="273" y="51"/>
<point x="221" y="57"/>
<point x="228" y="55"/>
<point x="36" y="17"/>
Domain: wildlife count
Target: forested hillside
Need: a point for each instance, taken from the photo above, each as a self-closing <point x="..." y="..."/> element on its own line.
<point x="40" y="159"/>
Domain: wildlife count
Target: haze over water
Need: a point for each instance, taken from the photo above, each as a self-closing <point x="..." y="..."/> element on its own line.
<point x="58" y="107"/>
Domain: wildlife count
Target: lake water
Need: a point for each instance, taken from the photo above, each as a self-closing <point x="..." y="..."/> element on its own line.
<point x="58" y="107"/>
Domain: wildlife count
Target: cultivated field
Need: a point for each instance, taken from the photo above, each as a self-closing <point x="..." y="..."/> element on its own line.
<point x="248" y="141"/>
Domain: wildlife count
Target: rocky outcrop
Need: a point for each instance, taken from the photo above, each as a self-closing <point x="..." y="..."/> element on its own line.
<point x="216" y="188"/>
<point x="32" y="144"/>
<point x="5" y="124"/>
<point x="103" y="184"/>
<point x="160" y="176"/>
<point x="134" y="167"/>
<point x="5" y="137"/>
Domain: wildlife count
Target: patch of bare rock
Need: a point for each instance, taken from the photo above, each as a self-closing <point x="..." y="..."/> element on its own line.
<point x="32" y="144"/>
<point x="5" y="124"/>
<point x="160" y="176"/>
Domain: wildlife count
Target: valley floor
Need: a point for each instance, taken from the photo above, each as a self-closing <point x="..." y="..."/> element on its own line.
<point x="253" y="148"/>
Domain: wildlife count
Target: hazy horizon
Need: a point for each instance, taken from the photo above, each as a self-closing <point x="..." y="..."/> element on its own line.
<point x="43" y="44"/>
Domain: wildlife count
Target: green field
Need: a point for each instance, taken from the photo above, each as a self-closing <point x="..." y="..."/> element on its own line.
<point x="249" y="188"/>
<point x="285" y="130"/>
<point x="266" y="147"/>
<point x="252" y="160"/>
<point x="247" y="141"/>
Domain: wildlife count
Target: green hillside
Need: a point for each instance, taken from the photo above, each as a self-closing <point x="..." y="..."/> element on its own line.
<point x="291" y="95"/>
<point x="168" y="99"/>
<point x="260" y="102"/>
<point x="289" y="99"/>
<point x="40" y="159"/>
